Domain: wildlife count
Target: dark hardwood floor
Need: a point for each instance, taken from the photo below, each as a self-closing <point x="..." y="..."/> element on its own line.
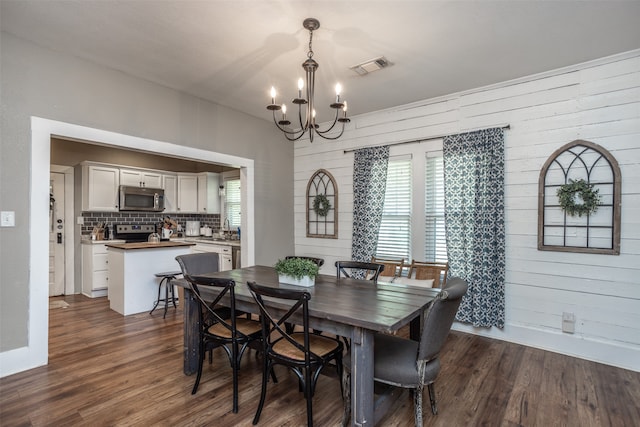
<point x="109" y="370"/>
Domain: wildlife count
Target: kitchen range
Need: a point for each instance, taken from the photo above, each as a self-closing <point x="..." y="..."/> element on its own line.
<point x="131" y="233"/>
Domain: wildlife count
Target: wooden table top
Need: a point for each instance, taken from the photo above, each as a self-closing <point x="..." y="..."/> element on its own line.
<point x="148" y="245"/>
<point x="382" y="307"/>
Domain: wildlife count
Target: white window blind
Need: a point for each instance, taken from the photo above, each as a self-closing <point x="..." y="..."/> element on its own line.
<point x="435" y="238"/>
<point x="394" y="239"/>
<point x="232" y="202"/>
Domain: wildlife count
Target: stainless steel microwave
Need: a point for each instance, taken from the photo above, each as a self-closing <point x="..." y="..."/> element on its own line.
<point x="141" y="199"/>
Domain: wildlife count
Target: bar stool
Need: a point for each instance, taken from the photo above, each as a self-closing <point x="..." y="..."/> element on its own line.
<point x="169" y="295"/>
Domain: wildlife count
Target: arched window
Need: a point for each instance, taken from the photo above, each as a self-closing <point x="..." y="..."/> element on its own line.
<point x="595" y="232"/>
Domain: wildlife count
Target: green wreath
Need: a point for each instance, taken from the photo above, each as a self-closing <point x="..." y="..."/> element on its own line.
<point x="321" y="205"/>
<point x="567" y="196"/>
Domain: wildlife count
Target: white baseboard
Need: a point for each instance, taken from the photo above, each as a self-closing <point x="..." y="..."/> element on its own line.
<point x="20" y="359"/>
<point x="608" y="353"/>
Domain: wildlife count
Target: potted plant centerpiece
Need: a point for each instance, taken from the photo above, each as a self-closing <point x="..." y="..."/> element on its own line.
<point x="297" y="271"/>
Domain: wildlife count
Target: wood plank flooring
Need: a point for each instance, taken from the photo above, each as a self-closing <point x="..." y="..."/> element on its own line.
<point x="109" y="370"/>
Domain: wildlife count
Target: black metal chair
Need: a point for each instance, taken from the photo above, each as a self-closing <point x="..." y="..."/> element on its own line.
<point x="405" y="363"/>
<point x="319" y="261"/>
<point x="233" y="334"/>
<point x="368" y="270"/>
<point x="305" y="353"/>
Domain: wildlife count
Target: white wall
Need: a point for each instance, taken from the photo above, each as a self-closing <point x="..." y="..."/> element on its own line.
<point x="597" y="101"/>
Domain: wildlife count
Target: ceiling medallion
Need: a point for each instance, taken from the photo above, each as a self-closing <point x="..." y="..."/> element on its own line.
<point x="309" y="124"/>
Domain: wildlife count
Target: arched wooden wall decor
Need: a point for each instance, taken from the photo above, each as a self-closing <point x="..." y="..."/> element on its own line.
<point x="597" y="232"/>
<point x="322" y="206"/>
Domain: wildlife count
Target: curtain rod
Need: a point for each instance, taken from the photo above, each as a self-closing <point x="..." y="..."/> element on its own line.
<point x="431" y="138"/>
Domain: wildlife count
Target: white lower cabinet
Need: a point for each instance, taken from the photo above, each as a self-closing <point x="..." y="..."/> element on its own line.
<point x="95" y="276"/>
<point x="224" y="254"/>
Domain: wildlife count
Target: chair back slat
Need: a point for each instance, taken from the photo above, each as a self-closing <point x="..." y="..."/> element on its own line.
<point x="392" y="267"/>
<point x="429" y="271"/>
<point x="370" y="270"/>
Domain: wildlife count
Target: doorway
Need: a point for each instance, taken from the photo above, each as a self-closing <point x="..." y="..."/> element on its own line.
<point x="35" y="353"/>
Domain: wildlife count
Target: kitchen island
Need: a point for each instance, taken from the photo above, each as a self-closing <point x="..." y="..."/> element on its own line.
<point x="133" y="287"/>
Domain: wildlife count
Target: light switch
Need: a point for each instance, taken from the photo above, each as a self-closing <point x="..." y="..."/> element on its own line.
<point x="8" y="219"/>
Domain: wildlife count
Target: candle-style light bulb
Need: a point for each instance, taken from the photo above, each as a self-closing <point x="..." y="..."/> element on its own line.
<point x="338" y="90"/>
<point x="284" y="110"/>
<point x="344" y="109"/>
<point x="300" y="86"/>
<point x="273" y="95"/>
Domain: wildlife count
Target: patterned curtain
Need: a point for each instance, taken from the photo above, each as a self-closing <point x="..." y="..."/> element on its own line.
<point x="369" y="183"/>
<point x="474" y="221"/>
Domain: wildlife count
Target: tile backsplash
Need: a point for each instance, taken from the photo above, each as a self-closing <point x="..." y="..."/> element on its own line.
<point x="91" y="219"/>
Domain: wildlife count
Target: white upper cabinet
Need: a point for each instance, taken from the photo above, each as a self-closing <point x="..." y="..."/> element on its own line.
<point x="100" y="188"/>
<point x="170" y="185"/>
<point x="187" y="193"/>
<point x="140" y="178"/>
<point x="208" y="198"/>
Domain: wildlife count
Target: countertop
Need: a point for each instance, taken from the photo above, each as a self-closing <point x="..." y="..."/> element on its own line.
<point x="99" y="242"/>
<point x="208" y="240"/>
<point x="147" y="245"/>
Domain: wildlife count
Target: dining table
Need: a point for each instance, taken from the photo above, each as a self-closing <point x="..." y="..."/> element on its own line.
<point x="353" y="308"/>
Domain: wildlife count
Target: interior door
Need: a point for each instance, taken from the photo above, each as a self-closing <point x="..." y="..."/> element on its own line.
<point x="56" y="234"/>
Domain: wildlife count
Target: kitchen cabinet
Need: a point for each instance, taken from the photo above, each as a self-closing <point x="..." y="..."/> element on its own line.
<point x="187" y="193"/>
<point x="100" y="188"/>
<point x="224" y="254"/>
<point x="208" y="198"/>
<point x="95" y="276"/>
<point x="170" y="185"/>
<point x="140" y="178"/>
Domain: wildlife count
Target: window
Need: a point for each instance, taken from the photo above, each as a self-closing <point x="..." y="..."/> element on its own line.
<point x="232" y="202"/>
<point x="435" y="239"/>
<point x="394" y="239"/>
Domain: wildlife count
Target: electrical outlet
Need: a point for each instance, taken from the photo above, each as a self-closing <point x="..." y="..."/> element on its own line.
<point x="8" y="219"/>
<point x="568" y="322"/>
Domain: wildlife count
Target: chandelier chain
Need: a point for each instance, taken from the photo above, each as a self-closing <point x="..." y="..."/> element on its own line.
<point x="310" y="53"/>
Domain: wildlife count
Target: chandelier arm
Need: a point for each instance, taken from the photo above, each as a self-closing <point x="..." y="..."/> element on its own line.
<point x="333" y="137"/>
<point x="285" y="131"/>
<point x="335" y="120"/>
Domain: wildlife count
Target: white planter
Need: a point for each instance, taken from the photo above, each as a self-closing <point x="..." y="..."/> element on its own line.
<point x="305" y="281"/>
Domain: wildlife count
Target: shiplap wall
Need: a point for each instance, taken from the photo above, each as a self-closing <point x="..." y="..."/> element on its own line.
<point x="597" y="101"/>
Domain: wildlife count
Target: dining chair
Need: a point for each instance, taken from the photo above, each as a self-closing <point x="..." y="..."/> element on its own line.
<point x="305" y="353"/>
<point x="371" y="270"/>
<point x="234" y="334"/>
<point x="405" y="363"/>
<point x="318" y="261"/>
<point x="429" y="271"/>
<point x="392" y="267"/>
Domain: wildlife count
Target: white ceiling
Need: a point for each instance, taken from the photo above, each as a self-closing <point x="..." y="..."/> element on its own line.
<point x="232" y="52"/>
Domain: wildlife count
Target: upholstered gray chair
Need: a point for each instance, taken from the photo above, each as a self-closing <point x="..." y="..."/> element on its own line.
<point x="405" y="363"/>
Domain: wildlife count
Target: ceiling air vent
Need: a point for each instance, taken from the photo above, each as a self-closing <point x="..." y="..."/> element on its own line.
<point x="371" y="65"/>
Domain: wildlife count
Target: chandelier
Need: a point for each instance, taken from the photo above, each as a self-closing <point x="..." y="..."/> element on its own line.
<point x="309" y="124"/>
